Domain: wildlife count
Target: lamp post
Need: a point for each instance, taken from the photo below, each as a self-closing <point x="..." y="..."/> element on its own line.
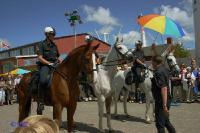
<point x="74" y="18"/>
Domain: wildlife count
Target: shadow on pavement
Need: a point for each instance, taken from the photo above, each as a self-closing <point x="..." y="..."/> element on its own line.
<point x="83" y="127"/>
<point x="124" y="118"/>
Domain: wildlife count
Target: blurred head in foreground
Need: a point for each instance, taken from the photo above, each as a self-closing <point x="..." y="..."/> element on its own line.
<point x="37" y="124"/>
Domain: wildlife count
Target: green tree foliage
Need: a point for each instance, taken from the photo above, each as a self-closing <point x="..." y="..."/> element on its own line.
<point x="181" y="52"/>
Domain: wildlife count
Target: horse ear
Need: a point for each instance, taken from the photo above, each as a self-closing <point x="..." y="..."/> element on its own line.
<point x="117" y="40"/>
<point x="96" y="47"/>
<point x="88" y="45"/>
<point x="122" y="40"/>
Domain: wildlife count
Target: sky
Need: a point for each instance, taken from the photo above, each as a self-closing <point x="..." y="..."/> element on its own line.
<point x="23" y="21"/>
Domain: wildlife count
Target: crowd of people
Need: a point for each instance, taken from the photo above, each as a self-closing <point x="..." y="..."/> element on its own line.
<point x="8" y="86"/>
<point x="184" y="86"/>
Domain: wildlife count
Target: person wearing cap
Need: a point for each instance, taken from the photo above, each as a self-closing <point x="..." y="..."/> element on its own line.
<point x="138" y="62"/>
<point x="48" y="54"/>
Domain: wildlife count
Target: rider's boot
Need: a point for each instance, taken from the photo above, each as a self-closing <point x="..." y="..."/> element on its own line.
<point x="41" y="100"/>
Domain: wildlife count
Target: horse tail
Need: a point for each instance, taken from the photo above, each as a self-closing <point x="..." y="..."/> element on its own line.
<point x="24" y="100"/>
<point x="27" y="105"/>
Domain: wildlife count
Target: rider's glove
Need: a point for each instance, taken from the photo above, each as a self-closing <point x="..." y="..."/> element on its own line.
<point x="50" y="64"/>
<point x="145" y="65"/>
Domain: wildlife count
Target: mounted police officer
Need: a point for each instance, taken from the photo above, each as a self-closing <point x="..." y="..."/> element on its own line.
<point x="138" y="62"/>
<point x="161" y="93"/>
<point x="47" y="55"/>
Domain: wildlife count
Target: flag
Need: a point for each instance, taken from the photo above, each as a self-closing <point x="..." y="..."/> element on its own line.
<point x="3" y="44"/>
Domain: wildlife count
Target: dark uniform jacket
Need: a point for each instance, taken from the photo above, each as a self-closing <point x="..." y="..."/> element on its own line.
<point x="49" y="51"/>
<point x="138" y="54"/>
<point x="160" y="80"/>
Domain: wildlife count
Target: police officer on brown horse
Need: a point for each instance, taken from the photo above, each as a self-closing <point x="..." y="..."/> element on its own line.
<point x="47" y="55"/>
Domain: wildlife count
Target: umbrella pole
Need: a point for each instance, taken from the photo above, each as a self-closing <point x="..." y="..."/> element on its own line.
<point x="156" y="38"/>
<point x="162" y="39"/>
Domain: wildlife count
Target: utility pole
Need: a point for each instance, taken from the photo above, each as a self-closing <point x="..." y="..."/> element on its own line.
<point x="74" y="18"/>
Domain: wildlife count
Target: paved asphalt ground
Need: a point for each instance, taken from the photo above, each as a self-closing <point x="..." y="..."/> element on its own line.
<point x="186" y="118"/>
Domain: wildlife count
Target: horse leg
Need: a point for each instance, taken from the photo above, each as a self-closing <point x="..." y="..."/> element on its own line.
<point x="101" y="109"/>
<point x="147" y="108"/>
<point x="70" y="117"/>
<point x="153" y="104"/>
<point x="116" y="96"/>
<point x="126" y="93"/>
<point x="108" y="104"/>
<point x="57" y="114"/>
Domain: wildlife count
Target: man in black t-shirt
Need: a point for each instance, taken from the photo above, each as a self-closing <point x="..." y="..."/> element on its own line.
<point x="160" y="90"/>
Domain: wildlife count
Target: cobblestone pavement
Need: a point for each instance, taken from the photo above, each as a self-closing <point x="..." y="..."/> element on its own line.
<point x="186" y="118"/>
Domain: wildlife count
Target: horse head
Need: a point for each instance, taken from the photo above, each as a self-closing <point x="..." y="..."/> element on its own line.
<point x="87" y="60"/>
<point x="171" y="61"/>
<point x="80" y="60"/>
<point x="121" y="49"/>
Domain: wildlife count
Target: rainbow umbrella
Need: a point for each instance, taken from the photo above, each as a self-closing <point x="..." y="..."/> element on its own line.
<point x="19" y="71"/>
<point x="161" y="24"/>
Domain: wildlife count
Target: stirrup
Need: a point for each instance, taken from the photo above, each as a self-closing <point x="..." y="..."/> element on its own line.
<point x="41" y="106"/>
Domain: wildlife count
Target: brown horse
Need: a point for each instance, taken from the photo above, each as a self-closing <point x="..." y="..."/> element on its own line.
<point x="64" y="89"/>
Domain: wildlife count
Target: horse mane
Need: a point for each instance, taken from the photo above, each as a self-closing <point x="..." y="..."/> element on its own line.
<point x="78" y="49"/>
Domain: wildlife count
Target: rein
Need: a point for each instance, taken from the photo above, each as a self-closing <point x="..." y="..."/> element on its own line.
<point x="118" y="54"/>
<point x="172" y="66"/>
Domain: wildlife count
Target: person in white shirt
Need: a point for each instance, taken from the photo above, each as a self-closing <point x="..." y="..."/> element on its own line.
<point x="16" y="82"/>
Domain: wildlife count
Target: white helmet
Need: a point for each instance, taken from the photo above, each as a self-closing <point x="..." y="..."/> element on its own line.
<point x="138" y="43"/>
<point x="49" y="30"/>
<point x="88" y="38"/>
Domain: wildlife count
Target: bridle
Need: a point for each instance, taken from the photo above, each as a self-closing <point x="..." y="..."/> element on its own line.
<point x="168" y="62"/>
<point x="119" y="55"/>
<point x="66" y="77"/>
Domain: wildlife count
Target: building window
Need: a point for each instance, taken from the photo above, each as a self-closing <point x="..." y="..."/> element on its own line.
<point x="28" y="51"/>
<point x="30" y="62"/>
<point x="8" y="67"/>
<point x="15" y="52"/>
<point x="4" y="55"/>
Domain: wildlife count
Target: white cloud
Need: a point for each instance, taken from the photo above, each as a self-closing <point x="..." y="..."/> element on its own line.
<point x="181" y="16"/>
<point x="100" y="15"/>
<point x="187" y="5"/>
<point x="106" y="29"/>
<point x="188" y="37"/>
<point x="131" y="37"/>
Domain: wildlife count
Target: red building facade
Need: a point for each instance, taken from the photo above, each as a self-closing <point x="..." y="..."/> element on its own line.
<point x="25" y="56"/>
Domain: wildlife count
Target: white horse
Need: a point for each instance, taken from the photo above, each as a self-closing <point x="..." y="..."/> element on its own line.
<point x="103" y="80"/>
<point x="119" y="84"/>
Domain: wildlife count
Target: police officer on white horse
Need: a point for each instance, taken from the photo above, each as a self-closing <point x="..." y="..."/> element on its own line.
<point x="138" y="62"/>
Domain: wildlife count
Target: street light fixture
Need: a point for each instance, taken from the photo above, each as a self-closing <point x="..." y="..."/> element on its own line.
<point x="74" y="18"/>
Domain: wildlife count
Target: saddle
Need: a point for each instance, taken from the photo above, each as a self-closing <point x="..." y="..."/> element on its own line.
<point x="132" y="77"/>
<point x="34" y="81"/>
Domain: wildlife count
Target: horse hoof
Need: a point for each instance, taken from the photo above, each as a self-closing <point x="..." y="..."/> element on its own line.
<point x="102" y="131"/>
<point x="148" y="121"/>
<point x="111" y="131"/>
<point x="116" y="117"/>
<point x="127" y="116"/>
<point x="74" y="126"/>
